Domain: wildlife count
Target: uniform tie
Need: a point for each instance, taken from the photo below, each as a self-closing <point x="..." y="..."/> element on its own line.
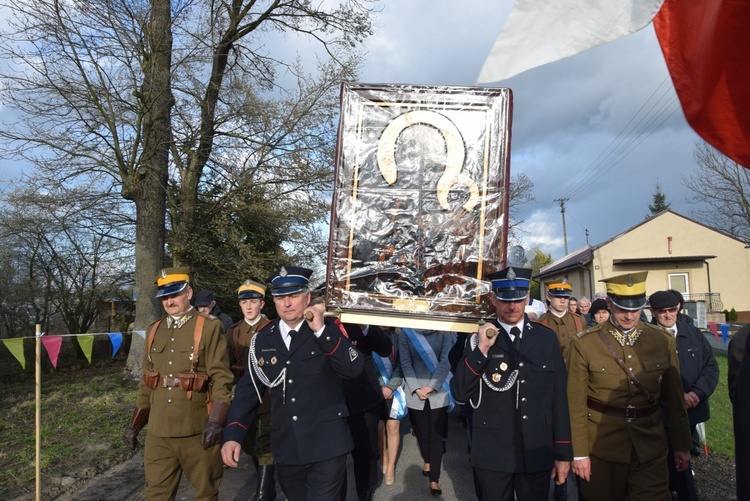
<point x="516" y="338"/>
<point x="292" y="333"/>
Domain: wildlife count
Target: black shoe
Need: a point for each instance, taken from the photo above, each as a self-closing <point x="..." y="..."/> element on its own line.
<point x="696" y="451"/>
<point x="436" y="491"/>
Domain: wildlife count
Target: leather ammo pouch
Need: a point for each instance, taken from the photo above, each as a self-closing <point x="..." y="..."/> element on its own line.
<point x="151" y="379"/>
<point x="192" y="381"/>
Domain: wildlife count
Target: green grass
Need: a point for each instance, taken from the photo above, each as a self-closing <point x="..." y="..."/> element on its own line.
<point x="719" y="429"/>
<point x="84" y="413"/>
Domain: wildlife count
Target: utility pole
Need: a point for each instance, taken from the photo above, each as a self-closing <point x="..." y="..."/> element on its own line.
<point x="562" y="211"/>
<point x="587" y="236"/>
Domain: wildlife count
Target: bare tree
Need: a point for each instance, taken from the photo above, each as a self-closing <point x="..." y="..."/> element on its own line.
<point x="67" y="256"/>
<point x="155" y="94"/>
<point x="521" y="193"/>
<point x="721" y="188"/>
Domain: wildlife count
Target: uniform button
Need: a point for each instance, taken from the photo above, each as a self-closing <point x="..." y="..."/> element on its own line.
<point x="523" y="399"/>
<point x="602" y="369"/>
<point x="658" y="365"/>
<point x="630" y="356"/>
<point x="520" y="364"/>
<point x="170" y="362"/>
<point x="523" y="381"/>
<point x="289" y="362"/>
<point x="544" y="367"/>
<point x="172" y="340"/>
<point x="170" y="375"/>
<point x="172" y="351"/>
<point x="294" y="399"/>
<point x="169" y="401"/>
<point x="290" y="381"/>
<point x="328" y="338"/>
<point x="526" y="417"/>
<point x="169" y="387"/>
<point x="294" y="418"/>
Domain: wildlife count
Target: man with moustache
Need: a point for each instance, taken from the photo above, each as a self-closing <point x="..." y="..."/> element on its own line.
<point x="515" y="382"/>
<point x="622" y="375"/>
<point x="257" y="442"/>
<point x="303" y="359"/>
<point x="185" y="362"/>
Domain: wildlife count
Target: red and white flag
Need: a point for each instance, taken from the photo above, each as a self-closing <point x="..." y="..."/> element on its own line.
<point x="705" y="43"/>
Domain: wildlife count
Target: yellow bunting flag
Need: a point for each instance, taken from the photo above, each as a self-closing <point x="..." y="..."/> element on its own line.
<point x="86" y="342"/>
<point x="15" y="346"/>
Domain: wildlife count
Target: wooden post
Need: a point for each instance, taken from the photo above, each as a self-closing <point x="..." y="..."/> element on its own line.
<point x="38" y="370"/>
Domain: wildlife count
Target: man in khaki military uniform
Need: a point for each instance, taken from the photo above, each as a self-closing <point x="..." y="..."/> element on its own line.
<point x="257" y="442"/>
<point x="185" y="367"/>
<point x="619" y="442"/>
<point x="558" y="317"/>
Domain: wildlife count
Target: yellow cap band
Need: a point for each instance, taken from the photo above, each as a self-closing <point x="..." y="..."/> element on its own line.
<point x="252" y="287"/>
<point x="177" y="277"/>
<point x="560" y="285"/>
<point x="636" y="289"/>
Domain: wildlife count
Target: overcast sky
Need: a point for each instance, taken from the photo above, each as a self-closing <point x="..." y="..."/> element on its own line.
<point x="598" y="128"/>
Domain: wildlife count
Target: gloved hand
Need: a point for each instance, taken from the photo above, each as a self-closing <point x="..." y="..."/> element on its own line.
<point x="139" y="420"/>
<point x="215" y="425"/>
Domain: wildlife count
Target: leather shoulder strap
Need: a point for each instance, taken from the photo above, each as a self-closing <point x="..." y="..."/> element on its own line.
<point x="624" y="367"/>
<point x="197" y="335"/>
<point x="150" y="339"/>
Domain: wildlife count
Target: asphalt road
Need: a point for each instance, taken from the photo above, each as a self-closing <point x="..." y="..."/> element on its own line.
<point x="125" y="481"/>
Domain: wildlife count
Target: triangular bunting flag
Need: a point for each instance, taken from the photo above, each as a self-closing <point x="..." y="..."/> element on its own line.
<point x="86" y="342"/>
<point x="52" y="345"/>
<point x="116" y="339"/>
<point x="712" y="326"/>
<point x="141" y="333"/>
<point x="15" y="346"/>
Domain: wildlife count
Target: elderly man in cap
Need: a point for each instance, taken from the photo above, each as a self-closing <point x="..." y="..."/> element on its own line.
<point x="257" y="442"/>
<point x="622" y="375"/>
<point x="513" y="376"/>
<point x="206" y="303"/>
<point x="183" y="396"/>
<point x="303" y="359"/>
<point x="559" y="318"/>
<point x="699" y="372"/>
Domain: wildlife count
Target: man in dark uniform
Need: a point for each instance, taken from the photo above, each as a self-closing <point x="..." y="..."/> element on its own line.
<point x="258" y="438"/>
<point x="622" y="375"/>
<point x="699" y="372"/>
<point x="515" y="382"/>
<point x="559" y="318"/>
<point x="365" y="401"/>
<point x="303" y="360"/>
<point x="185" y="371"/>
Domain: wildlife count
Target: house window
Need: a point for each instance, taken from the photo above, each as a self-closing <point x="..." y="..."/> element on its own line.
<point x="680" y="282"/>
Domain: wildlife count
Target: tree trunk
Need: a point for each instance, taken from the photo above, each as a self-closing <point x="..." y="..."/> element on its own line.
<point x="147" y="186"/>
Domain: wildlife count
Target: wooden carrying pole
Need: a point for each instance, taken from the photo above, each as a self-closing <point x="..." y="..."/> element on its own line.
<point x="38" y="370"/>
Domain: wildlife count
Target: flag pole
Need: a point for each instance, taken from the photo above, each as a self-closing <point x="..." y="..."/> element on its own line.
<point x="38" y="370"/>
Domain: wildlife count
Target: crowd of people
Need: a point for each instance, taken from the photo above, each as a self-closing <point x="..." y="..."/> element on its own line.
<point x="580" y="391"/>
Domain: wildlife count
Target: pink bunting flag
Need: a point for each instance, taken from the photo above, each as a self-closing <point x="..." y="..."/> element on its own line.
<point x="86" y="342"/>
<point x="52" y="344"/>
<point x="714" y="329"/>
<point x="15" y="346"/>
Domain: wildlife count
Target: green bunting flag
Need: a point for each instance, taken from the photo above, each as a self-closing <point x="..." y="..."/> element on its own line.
<point x="86" y="342"/>
<point x="15" y="346"/>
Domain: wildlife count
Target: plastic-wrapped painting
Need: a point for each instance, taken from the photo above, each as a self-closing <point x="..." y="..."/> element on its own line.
<point x="420" y="203"/>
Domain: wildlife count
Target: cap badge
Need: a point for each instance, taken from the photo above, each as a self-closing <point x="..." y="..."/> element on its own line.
<point x="163" y="273"/>
<point x="564" y="281"/>
<point x="248" y="282"/>
<point x="511" y="274"/>
<point x="630" y="282"/>
<point x="283" y="272"/>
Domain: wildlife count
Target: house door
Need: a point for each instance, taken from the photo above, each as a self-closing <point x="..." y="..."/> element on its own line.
<point x="681" y="283"/>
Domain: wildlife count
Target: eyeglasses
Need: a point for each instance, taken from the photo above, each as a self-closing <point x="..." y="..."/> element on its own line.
<point x="664" y="311"/>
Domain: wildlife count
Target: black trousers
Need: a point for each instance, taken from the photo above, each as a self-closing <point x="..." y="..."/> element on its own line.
<point x="364" y="428"/>
<point x="500" y="486"/>
<point x="429" y="426"/>
<point x="320" y="481"/>
<point x="681" y="482"/>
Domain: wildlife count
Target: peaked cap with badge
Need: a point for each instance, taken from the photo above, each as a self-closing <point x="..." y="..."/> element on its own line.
<point x="172" y="280"/>
<point x="627" y="292"/>
<point x="511" y="283"/>
<point x="289" y="280"/>
<point x="250" y="289"/>
<point x="560" y="288"/>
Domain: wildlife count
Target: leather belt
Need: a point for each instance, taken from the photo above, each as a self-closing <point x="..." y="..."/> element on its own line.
<point x="630" y="412"/>
<point x="166" y="381"/>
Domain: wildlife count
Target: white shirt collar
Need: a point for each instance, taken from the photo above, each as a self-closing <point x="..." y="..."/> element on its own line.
<point x="508" y="327"/>
<point x="284" y="330"/>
